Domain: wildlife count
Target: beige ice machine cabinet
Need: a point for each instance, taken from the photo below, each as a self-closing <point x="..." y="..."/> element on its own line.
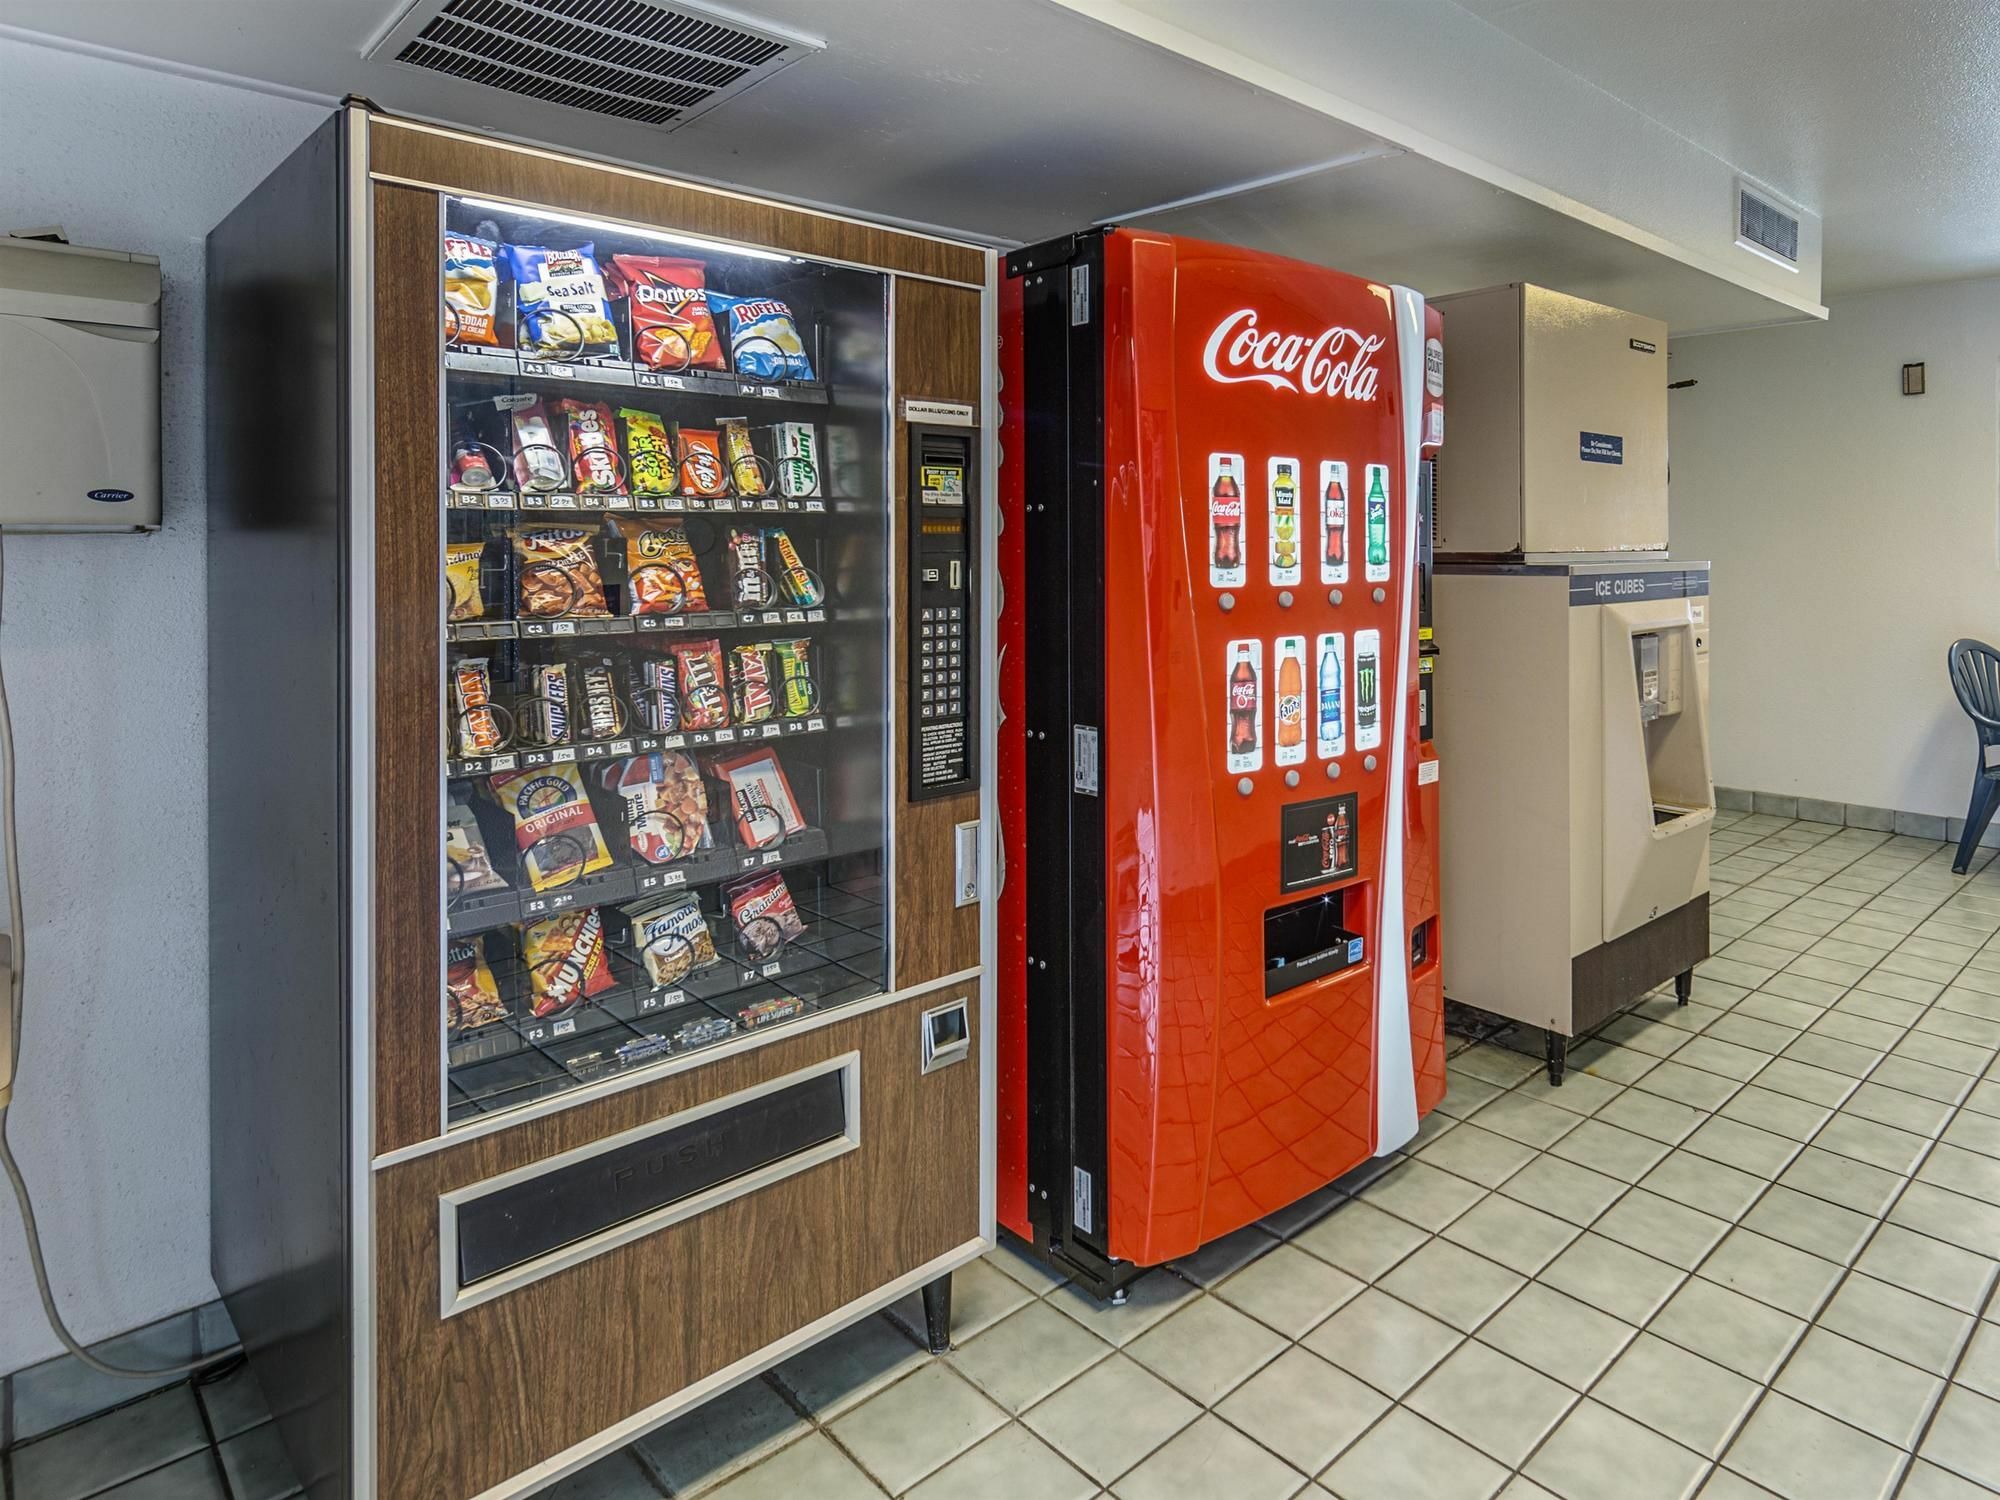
<point x="80" y="379"/>
<point x="1577" y="814"/>
<point x="1558" y="428"/>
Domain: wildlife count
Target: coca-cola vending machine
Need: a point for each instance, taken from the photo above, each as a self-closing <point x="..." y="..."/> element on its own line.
<point x="1219" y="958"/>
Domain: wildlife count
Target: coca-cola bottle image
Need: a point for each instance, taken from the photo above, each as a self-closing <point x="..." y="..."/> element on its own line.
<point x="1225" y="509"/>
<point x="1242" y="704"/>
<point x="1343" y="838"/>
<point x="1333" y="528"/>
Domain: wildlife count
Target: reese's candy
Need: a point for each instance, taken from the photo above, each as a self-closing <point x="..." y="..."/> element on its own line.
<point x="702" y="471"/>
<point x="704" y="698"/>
<point x="746" y="467"/>
<point x="558" y="569"/>
<point x="479" y="731"/>
<point x="671" y="323"/>
<point x="555" y="827"/>
<point x="661" y="574"/>
<point x="461" y="580"/>
<point x="649" y="453"/>
<point x="565" y="958"/>
<point x="593" y="449"/>
<point x="750" y="692"/>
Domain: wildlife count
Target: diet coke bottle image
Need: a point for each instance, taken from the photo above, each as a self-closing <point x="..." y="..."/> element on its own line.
<point x="1246" y="707"/>
<point x="1226" y="565"/>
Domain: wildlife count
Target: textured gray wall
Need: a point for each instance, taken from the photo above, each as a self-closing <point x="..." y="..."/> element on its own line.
<point x="103" y="643"/>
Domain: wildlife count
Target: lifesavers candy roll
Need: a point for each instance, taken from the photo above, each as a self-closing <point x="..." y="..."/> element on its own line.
<point x="555" y="827"/>
<point x="763" y="339"/>
<point x="672" y="327"/>
<point x="560" y="301"/>
<point x="566" y="960"/>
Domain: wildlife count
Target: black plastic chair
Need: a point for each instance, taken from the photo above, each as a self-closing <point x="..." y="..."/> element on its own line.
<point x="1975" y="677"/>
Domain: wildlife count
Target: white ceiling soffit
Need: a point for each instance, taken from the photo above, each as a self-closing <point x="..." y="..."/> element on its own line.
<point x="1495" y="110"/>
<point x="1012" y="120"/>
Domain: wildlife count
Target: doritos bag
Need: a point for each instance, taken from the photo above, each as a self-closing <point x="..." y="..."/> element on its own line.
<point x="670" y="319"/>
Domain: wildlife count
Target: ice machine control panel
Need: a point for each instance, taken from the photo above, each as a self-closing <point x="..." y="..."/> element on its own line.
<point x="943" y="624"/>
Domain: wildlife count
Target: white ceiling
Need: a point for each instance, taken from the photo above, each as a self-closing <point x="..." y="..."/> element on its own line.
<point x="1883" y="116"/>
<point x="1012" y="119"/>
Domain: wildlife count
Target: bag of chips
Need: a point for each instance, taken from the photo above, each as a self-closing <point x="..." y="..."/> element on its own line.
<point x="461" y="580"/>
<point x="538" y="462"/>
<point x="746" y="466"/>
<point x="593" y="448"/>
<point x="560" y="303"/>
<point x="799" y="693"/>
<point x="661" y="574"/>
<point x="760" y="796"/>
<point x="672" y="937"/>
<point x="750" y="687"/>
<point x="479" y="731"/>
<point x="764" y="915"/>
<point x="650" y="467"/>
<point x="471" y="290"/>
<point x="666" y="805"/>
<point x="468" y="866"/>
<point x="566" y="962"/>
<point x="670" y="319"/>
<point x="555" y="826"/>
<point x="558" y="568"/>
<point x="763" y="339"/>
<point x="704" y="699"/>
<point x="702" y="473"/>
<point x="471" y="994"/>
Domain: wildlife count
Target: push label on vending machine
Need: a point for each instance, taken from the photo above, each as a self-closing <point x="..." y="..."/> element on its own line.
<point x="1330" y="738"/>
<point x="1377" y="523"/>
<point x="1332" y="521"/>
<point x="1288" y="661"/>
<point x="1227" y="565"/>
<point x="1367" y="689"/>
<point x="1283" y="482"/>
<point x="1245" y="743"/>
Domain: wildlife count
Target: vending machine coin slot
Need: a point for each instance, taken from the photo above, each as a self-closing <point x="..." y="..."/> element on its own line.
<point x="943" y="625"/>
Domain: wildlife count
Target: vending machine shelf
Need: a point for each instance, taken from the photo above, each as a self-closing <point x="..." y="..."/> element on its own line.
<point x="511" y="501"/>
<point x="622" y="374"/>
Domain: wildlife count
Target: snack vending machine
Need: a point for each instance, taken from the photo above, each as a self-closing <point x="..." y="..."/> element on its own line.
<point x="598" y="772"/>
<point x="1219" y="964"/>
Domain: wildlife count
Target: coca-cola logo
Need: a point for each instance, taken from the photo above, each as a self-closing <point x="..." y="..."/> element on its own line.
<point x="1243" y="693"/>
<point x="1338" y="362"/>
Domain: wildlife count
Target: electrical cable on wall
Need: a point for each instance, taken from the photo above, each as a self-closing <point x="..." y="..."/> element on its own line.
<point x="17" y="967"/>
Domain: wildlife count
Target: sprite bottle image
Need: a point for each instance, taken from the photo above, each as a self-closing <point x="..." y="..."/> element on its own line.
<point x="1377" y="512"/>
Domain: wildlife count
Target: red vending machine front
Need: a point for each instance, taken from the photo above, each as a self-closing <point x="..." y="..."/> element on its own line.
<point x="1220" y="964"/>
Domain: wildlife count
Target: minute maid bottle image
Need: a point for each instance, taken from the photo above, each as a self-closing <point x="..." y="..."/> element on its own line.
<point x="1367" y="689"/>
<point x="1376" y="508"/>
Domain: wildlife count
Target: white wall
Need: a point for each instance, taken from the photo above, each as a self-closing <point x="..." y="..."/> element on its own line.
<point x="103" y="641"/>
<point x="1855" y="534"/>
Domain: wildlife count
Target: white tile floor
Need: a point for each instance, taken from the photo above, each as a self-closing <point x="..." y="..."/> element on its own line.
<point x="1749" y="1249"/>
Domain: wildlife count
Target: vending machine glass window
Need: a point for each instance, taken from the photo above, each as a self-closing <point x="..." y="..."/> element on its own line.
<point x="665" y="574"/>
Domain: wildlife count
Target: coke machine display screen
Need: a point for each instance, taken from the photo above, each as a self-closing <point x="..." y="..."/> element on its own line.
<point x="1219" y="964"/>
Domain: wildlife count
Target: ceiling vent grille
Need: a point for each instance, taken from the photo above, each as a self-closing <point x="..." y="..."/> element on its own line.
<point x="659" y="65"/>
<point x="1766" y="229"/>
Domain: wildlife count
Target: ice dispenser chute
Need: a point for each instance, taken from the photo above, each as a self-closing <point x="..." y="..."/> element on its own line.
<point x="1659" y="797"/>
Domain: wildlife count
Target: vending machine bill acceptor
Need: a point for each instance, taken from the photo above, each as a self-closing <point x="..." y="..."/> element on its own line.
<point x="1219" y="959"/>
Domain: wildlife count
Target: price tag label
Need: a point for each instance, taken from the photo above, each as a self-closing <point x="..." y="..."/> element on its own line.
<point x="675" y="877"/>
<point x="724" y="736"/>
<point x="562" y="502"/>
<point x="673" y="502"/>
<point x="771" y="856"/>
<point x="816" y="505"/>
<point x="815" y="723"/>
<point x="772" y="731"/>
<point x="771" y="968"/>
<point x="620" y="747"/>
<point x="816" y="615"/>
<point x="546" y="370"/>
<point x="563" y="627"/>
<point x="500" y="500"/>
<point x="501" y="763"/>
<point x="674" y="622"/>
<point x="567" y="753"/>
<point x="769" y="392"/>
<point x="723" y="502"/>
<point x="564" y="1028"/>
<point x="673" y="742"/>
<point x="617" y="502"/>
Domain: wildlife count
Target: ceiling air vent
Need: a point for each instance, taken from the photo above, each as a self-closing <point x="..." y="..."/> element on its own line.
<point x="658" y="65"/>
<point x="1763" y="228"/>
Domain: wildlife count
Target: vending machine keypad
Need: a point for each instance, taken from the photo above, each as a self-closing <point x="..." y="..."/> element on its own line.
<point x="943" y="623"/>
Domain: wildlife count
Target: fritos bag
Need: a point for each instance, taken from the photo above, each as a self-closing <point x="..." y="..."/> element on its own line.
<point x="670" y="317"/>
<point x="558" y="568"/>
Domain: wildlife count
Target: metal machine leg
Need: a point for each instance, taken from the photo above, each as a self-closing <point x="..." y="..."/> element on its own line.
<point x="1683" y="986"/>
<point x="937" y="1314"/>
<point x="1556" y="1048"/>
